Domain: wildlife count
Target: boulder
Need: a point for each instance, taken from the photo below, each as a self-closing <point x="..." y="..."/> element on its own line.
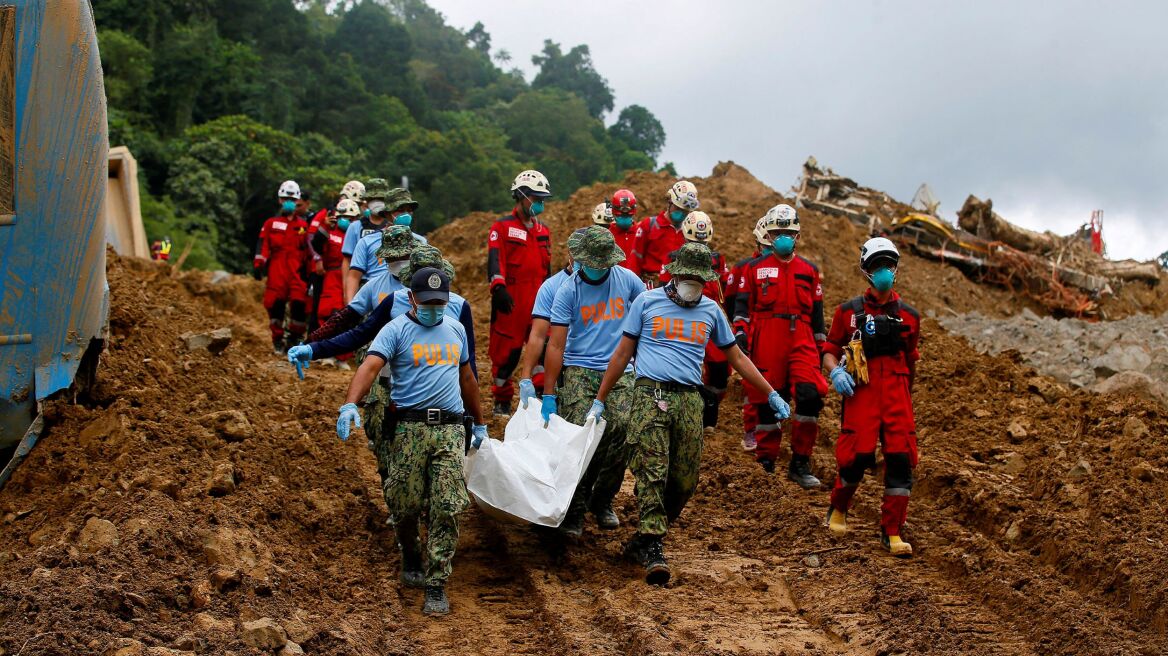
<point x="264" y="633"/>
<point x="231" y="425"/>
<point x="215" y="341"/>
<point x="98" y="534"/>
<point x="1121" y="357"/>
<point x="1133" y="383"/>
<point x="291" y="649"/>
<point x="222" y="481"/>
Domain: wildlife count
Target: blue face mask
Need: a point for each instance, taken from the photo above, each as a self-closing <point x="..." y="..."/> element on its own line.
<point x="883" y="278"/>
<point x="575" y="267"/>
<point x="623" y="222"/>
<point x="403" y="219"/>
<point x="287" y="207"/>
<point x="592" y="273"/>
<point x="766" y="250"/>
<point x="677" y="216"/>
<point x="343" y="224"/>
<point x="366" y="212"/>
<point x="536" y="208"/>
<point x="430" y="315"/>
<point x="784" y="245"/>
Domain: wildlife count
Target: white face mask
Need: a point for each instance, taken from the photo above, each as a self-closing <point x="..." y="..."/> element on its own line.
<point x="396" y="267"/>
<point x="376" y="206"/>
<point x="689" y="290"/>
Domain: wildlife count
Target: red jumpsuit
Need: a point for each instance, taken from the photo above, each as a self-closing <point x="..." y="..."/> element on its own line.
<point x="780" y="306"/>
<point x="655" y="239"/>
<point x="881" y="410"/>
<point x="283" y="247"/>
<point x="626" y="238"/>
<point x="749" y="412"/>
<point x="518" y="257"/>
<point x="326" y="244"/>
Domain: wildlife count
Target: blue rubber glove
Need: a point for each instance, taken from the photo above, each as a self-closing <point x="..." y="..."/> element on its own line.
<point x="549" y="407"/>
<point x="843" y="381"/>
<point x="480" y="433"/>
<point x="782" y="408"/>
<point x="301" y="353"/>
<point x="526" y="391"/>
<point x="597" y="410"/>
<point x="349" y="414"/>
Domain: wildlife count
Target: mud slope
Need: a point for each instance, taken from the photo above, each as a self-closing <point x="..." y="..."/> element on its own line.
<point x="1037" y="515"/>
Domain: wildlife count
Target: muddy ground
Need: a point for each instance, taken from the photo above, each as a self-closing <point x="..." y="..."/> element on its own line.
<point x="193" y="495"/>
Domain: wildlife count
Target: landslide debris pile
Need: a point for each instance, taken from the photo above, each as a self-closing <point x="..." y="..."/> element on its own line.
<point x="1131" y="353"/>
<point x="201" y="503"/>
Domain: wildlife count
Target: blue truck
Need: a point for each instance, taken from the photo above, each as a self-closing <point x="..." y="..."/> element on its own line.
<point x="54" y="298"/>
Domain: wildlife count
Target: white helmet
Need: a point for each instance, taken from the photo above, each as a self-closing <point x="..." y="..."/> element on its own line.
<point x="684" y="194"/>
<point x="760" y="232"/>
<point x="531" y="184"/>
<point x="782" y="217"/>
<point x="348" y="208"/>
<point x="602" y="214"/>
<point x="875" y="248"/>
<point x="289" y="189"/>
<point x="699" y="227"/>
<point x="354" y="190"/>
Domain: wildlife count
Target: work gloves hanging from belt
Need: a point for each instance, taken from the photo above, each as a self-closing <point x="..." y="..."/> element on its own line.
<point x="501" y="300"/>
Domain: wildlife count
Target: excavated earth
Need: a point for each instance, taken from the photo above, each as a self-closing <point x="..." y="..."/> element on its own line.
<point x="199" y="503"/>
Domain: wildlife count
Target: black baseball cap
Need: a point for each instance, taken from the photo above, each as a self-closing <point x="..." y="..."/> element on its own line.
<point x="430" y="284"/>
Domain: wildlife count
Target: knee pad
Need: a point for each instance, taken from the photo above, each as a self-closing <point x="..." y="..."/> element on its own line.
<point x="277" y="311"/>
<point x="898" y="472"/>
<point x="808" y="400"/>
<point x="854" y="473"/>
<point x="299" y="311"/>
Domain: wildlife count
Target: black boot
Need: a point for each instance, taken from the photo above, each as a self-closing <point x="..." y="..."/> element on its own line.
<point x="502" y="409"/>
<point x="412" y="575"/>
<point x="436" y="602"/>
<point x="605" y="517"/>
<point x="647" y="551"/>
<point x="768" y="465"/>
<point x="800" y="471"/>
<point x="573" y="524"/>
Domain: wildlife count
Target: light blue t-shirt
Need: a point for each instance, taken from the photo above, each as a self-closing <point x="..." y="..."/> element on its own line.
<point x="353" y="234"/>
<point x="424" y="361"/>
<point x="365" y="257"/>
<point x="375" y="291"/>
<point x="671" y="340"/>
<point x="547" y="294"/>
<point x="593" y="313"/>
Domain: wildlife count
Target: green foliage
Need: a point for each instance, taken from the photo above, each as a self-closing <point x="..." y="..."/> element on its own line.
<point x="220" y="101"/>
<point x="573" y="73"/>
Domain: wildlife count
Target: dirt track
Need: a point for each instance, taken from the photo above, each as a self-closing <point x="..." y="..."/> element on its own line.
<point x="1019" y="549"/>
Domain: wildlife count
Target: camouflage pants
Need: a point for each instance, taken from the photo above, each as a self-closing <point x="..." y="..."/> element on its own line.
<point x="376" y="405"/>
<point x="606" y="472"/>
<point x="425" y="479"/>
<point x="665" y="452"/>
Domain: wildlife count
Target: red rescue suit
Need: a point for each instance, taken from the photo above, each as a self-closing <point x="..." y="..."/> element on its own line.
<point x="749" y="412"/>
<point x="780" y="307"/>
<point x="655" y="239"/>
<point x="881" y="410"/>
<point x="326" y="244"/>
<point x="626" y="238"/>
<point x="283" y="248"/>
<point x="519" y="256"/>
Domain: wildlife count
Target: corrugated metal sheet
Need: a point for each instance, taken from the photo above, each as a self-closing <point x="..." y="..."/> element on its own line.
<point x="52" y="253"/>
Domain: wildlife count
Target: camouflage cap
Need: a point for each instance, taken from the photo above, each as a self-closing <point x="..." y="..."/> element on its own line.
<point x="425" y="256"/>
<point x="376" y="189"/>
<point x="693" y="259"/>
<point x="397" y="243"/>
<point x="594" y="246"/>
<point x="398" y="198"/>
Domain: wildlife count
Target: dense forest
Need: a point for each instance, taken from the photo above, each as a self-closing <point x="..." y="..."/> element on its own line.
<point x="220" y="100"/>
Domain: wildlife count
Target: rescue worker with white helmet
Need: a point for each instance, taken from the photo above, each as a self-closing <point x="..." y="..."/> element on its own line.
<point x="660" y="235"/>
<point x="281" y="253"/>
<point x="519" y="257"/>
<point x="880" y="335"/>
<point x="762" y="245"/>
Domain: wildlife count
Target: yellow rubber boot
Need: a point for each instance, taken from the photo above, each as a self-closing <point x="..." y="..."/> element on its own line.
<point x="837" y="522"/>
<point x="897" y="547"/>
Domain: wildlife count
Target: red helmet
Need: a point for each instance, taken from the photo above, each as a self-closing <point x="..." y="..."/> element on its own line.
<point x="624" y="203"/>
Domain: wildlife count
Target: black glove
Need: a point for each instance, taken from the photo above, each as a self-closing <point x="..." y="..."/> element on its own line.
<point x="501" y="300"/>
<point x="741" y="339"/>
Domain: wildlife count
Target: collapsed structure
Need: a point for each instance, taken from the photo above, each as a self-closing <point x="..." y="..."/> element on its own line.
<point x="1065" y="274"/>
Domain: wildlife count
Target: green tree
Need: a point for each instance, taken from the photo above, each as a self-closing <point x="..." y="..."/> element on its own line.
<point x="574" y="73"/>
<point x="638" y="128"/>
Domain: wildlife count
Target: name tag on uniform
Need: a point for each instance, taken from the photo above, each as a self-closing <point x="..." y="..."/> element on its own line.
<point x="279" y="225"/>
<point x="336" y="239"/>
<point x="517" y="233"/>
<point x="767" y="272"/>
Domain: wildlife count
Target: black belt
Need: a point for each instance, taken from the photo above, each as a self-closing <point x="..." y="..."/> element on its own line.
<point x="429" y="416"/>
<point x="665" y="387"/>
<point x="793" y="317"/>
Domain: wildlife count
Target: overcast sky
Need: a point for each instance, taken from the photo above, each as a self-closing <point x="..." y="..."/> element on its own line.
<point x="1052" y="109"/>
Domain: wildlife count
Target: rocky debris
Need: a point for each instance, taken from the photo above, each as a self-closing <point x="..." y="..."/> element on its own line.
<point x="98" y="534"/>
<point x="206" y="622"/>
<point x="1079" y="353"/>
<point x="215" y="341"/>
<point x="1133" y="383"/>
<point x="291" y="649"/>
<point x="222" y="480"/>
<point x="264" y="633"/>
<point x="231" y="425"/>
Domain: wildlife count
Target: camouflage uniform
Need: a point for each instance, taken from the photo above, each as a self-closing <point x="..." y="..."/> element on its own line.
<point x="425" y="255"/>
<point x="425" y="480"/>
<point x="606" y="472"/>
<point x="665" y="452"/>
